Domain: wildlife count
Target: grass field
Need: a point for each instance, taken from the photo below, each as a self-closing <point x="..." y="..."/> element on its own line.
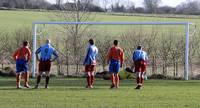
<point x="12" y="20"/>
<point x="70" y="93"/>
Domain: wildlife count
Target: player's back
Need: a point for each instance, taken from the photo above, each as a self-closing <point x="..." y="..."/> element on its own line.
<point x="115" y="53"/>
<point x="22" y="53"/>
<point x="139" y="55"/>
<point x="91" y="55"/>
<point x="46" y="51"/>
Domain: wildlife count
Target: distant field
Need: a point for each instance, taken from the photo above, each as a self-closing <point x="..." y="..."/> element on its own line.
<point x="11" y="20"/>
<point x="70" y="93"/>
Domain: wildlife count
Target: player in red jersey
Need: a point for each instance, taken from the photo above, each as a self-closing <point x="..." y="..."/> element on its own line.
<point x="115" y="59"/>
<point x="22" y="56"/>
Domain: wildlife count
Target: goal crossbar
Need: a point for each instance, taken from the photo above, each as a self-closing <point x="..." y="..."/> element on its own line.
<point x="185" y="24"/>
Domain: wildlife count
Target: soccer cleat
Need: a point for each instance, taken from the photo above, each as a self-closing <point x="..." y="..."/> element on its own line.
<point x="138" y="87"/>
<point x="91" y="87"/>
<point x="27" y="86"/>
<point x="112" y="86"/>
<point x="117" y="87"/>
<point x="87" y="86"/>
<point x="36" y="87"/>
<point x="46" y="87"/>
<point x="19" y="87"/>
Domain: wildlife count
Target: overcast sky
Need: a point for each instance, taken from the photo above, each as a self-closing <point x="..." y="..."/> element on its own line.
<point x="138" y="3"/>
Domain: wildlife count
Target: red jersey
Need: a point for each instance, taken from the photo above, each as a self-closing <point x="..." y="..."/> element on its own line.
<point x="116" y="53"/>
<point x="22" y="53"/>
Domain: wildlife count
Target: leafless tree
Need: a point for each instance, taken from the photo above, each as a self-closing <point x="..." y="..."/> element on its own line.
<point x="151" y="5"/>
<point x="59" y="4"/>
<point x="74" y="33"/>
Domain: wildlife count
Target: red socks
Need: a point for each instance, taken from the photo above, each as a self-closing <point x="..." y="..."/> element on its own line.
<point x="26" y="78"/>
<point x="140" y="79"/>
<point x="88" y="80"/>
<point x="117" y="80"/>
<point x="17" y="80"/>
<point x="92" y="79"/>
<point x="112" y="78"/>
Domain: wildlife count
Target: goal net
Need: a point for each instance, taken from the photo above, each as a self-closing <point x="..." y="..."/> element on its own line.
<point x="167" y="44"/>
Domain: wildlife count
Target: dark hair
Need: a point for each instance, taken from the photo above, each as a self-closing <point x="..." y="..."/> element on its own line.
<point x="25" y="43"/>
<point x="139" y="47"/>
<point x="115" y="42"/>
<point x="91" y="41"/>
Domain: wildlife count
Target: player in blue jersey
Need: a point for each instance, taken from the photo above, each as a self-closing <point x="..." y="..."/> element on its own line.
<point x="44" y="56"/>
<point x="90" y="63"/>
<point x="140" y="59"/>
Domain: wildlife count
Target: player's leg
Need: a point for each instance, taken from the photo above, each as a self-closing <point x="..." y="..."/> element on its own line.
<point x="112" y="78"/>
<point x="18" y="74"/>
<point x="143" y="71"/>
<point x="142" y="78"/>
<point x="138" y="74"/>
<point x="92" y="78"/>
<point x="39" y="76"/>
<point x="92" y="75"/>
<point x="47" y="71"/>
<point x="18" y="78"/>
<point x="26" y="79"/>
<point x="26" y="75"/>
<point x="88" y="79"/>
<point x="47" y="79"/>
<point x="117" y="80"/>
<point x="117" y="68"/>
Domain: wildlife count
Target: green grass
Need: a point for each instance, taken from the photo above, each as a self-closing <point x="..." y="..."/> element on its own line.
<point x="12" y="20"/>
<point x="70" y="93"/>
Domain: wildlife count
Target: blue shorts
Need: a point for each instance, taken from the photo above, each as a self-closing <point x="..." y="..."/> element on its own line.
<point x="21" y="66"/>
<point x="114" y="66"/>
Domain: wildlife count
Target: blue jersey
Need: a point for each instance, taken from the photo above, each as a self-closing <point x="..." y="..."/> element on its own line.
<point x="90" y="58"/>
<point x="46" y="51"/>
<point x="139" y="55"/>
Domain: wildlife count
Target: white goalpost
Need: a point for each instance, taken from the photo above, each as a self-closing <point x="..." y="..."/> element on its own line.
<point x="185" y="24"/>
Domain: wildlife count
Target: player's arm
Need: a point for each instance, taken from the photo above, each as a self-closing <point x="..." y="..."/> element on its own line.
<point x="87" y="56"/>
<point x="15" y="54"/>
<point x="133" y="57"/>
<point x="133" y="60"/>
<point x="122" y="58"/>
<point x="55" y="56"/>
<point x="29" y="54"/>
<point x="37" y="53"/>
<point x="146" y="57"/>
<point x="108" y="56"/>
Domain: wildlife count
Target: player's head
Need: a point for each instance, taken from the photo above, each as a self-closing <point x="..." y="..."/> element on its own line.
<point x="48" y="41"/>
<point x="91" y="41"/>
<point x="139" y="47"/>
<point x="115" y="42"/>
<point x="25" y="43"/>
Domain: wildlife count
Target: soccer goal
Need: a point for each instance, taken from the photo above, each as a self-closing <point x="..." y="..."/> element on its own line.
<point x="186" y="36"/>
